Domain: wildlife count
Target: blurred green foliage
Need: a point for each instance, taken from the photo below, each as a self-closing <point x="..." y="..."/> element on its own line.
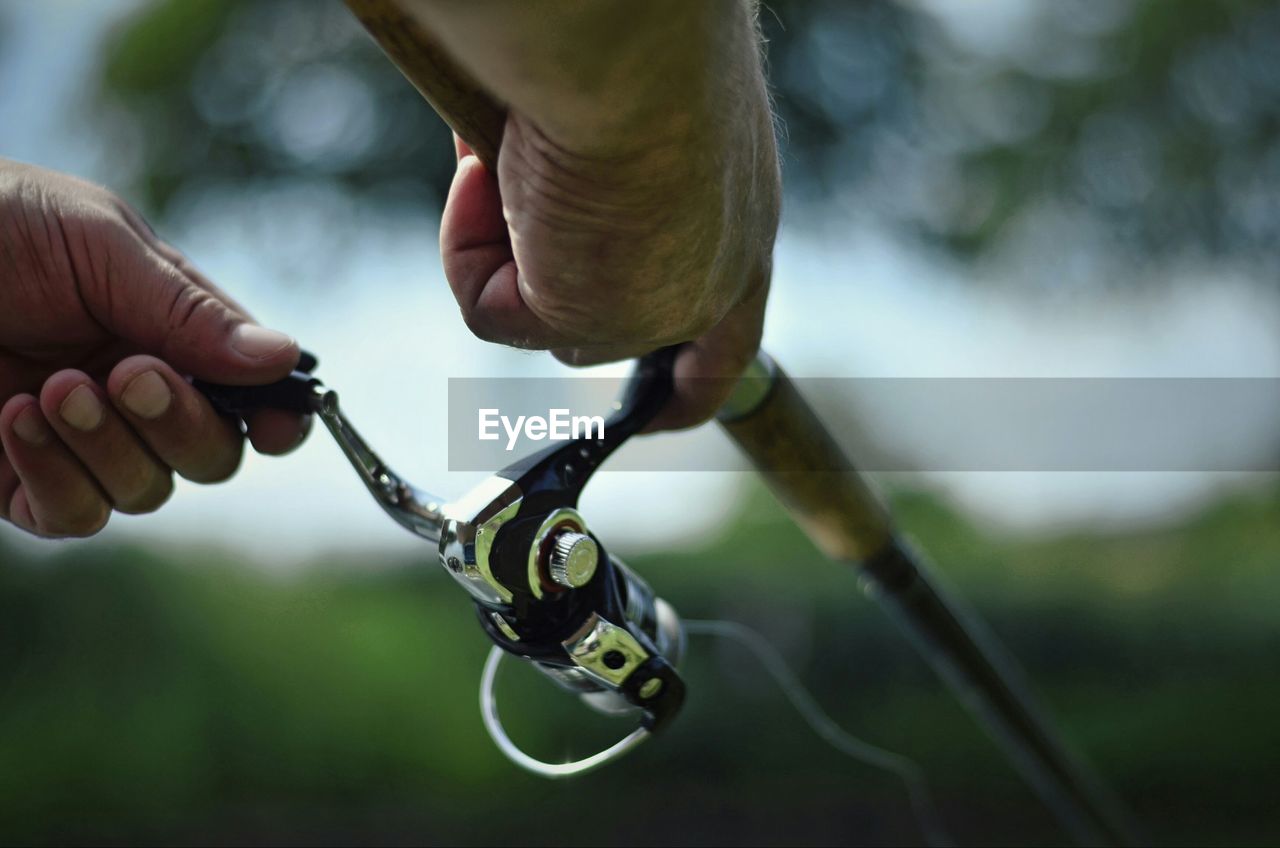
<point x="181" y="698"/>
<point x="264" y="94"/>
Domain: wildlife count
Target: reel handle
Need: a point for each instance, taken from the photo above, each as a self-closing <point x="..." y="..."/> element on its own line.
<point x="294" y="393"/>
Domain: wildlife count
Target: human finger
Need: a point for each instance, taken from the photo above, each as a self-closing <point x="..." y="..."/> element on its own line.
<point x="128" y="472"/>
<point x="175" y="420"/>
<point x="56" y="495"/>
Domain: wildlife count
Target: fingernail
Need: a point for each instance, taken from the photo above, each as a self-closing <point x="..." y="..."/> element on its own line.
<point x="147" y="395"/>
<point x="30" y="426"/>
<point x="82" y="410"/>
<point x="258" y="342"/>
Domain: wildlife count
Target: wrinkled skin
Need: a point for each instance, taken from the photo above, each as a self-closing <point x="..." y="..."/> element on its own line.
<point x="101" y="323"/>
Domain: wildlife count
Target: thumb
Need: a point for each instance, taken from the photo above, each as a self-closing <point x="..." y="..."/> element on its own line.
<point x="160" y="304"/>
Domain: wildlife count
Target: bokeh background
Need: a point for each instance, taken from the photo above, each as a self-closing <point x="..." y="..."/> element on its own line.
<point x="998" y="188"/>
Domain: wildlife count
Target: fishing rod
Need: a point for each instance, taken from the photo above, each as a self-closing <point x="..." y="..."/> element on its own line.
<point x="548" y="591"/>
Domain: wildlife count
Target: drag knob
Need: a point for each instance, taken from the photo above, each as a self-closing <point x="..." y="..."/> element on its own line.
<point x="574" y="557"/>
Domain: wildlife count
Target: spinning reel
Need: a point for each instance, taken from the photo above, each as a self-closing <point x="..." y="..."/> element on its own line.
<point x="545" y="588"/>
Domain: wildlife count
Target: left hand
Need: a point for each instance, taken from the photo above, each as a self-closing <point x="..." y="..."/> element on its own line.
<point x="101" y="323"/>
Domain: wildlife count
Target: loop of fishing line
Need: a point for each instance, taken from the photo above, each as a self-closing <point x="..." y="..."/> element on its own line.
<point x="513" y="752"/>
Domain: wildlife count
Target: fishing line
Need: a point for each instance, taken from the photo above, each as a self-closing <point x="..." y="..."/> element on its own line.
<point x="912" y="776"/>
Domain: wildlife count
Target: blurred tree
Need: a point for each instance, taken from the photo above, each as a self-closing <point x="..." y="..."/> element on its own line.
<point x="1146" y="125"/>
<point x="206" y="94"/>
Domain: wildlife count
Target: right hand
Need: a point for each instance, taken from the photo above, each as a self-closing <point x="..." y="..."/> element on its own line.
<point x="101" y="324"/>
<point x="636" y="192"/>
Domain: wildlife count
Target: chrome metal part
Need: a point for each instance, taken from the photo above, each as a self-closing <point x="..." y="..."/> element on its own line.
<point x="558" y="520"/>
<point x="605" y="651"/>
<point x="609" y="703"/>
<point x="472" y="523"/>
<point x="654" y="616"/>
<point x="421" y="513"/>
<point x="669" y="637"/>
<point x="591" y="691"/>
<point x="500" y="621"/>
<point x="573" y="559"/>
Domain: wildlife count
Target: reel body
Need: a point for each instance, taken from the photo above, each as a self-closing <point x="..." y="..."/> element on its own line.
<point x="545" y="588"/>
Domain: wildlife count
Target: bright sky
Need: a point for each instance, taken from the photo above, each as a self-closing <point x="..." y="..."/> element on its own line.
<point x="849" y="301"/>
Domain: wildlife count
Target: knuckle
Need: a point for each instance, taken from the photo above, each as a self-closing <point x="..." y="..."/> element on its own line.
<point x="130" y="216"/>
<point x="102" y="226"/>
<point x="187" y="304"/>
